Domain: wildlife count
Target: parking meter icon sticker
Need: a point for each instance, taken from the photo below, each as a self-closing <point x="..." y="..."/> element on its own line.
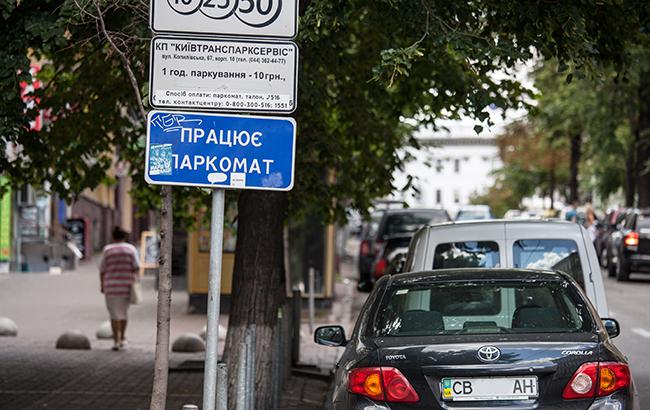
<point x="160" y="159"/>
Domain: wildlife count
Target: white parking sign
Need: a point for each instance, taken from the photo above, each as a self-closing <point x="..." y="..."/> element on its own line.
<point x="254" y="18"/>
<point x="223" y="75"/>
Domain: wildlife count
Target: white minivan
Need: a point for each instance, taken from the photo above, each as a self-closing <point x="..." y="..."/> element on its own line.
<point x="526" y="244"/>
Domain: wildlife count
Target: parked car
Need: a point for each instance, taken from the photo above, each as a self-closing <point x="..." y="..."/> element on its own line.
<point x="479" y="338"/>
<point x="533" y="244"/>
<point x="520" y="214"/>
<point x="391" y="248"/>
<point x="390" y="223"/>
<point x="474" y="212"/>
<point x="631" y="246"/>
<point x="610" y="224"/>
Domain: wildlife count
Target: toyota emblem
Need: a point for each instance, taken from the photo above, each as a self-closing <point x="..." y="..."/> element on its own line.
<point x="488" y="353"/>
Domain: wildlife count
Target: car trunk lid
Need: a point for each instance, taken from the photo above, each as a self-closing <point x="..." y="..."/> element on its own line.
<point x="549" y="360"/>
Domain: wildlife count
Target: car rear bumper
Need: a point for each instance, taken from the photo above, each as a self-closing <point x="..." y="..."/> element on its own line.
<point x="616" y="401"/>
<point x="639" y="263"/>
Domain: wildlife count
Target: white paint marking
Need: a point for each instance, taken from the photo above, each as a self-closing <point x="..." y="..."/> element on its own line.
<point x="642" y="332"/>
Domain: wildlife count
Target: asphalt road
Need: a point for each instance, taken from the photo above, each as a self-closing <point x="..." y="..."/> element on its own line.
<point x="629" y="303"/>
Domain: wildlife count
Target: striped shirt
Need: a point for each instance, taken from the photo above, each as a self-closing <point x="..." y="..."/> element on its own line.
<point x="118" y="267"/>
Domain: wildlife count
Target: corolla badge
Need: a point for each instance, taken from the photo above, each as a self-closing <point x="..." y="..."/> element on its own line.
<point x="488" y="353"/>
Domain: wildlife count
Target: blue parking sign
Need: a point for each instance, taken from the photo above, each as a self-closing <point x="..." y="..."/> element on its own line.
<point x="220" y="151"/>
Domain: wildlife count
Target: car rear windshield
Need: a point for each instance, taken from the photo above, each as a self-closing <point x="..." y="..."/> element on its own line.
<point x="412" y="221"/>
<point x="469" y="254"/>
<point x="643" y="222"/>
<point x="549" y="254"/>
<point x="480" y="307"/>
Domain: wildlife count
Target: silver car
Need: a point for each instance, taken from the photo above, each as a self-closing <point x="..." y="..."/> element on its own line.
<point x="533" y="244"/>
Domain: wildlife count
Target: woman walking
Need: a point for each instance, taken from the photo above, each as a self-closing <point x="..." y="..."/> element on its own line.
<point x="118" y="271"/>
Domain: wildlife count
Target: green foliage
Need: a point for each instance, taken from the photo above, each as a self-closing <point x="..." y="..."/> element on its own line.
<point x="533" y="164"/>
<point x="365" y="66"/>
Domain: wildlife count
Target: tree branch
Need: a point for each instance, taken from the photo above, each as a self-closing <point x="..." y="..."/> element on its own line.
<point x="125" y="62"/>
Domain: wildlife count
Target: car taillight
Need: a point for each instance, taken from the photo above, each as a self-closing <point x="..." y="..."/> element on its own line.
<point x="613" y="376"/>
<point x="364" y="248"/>
<point x="599" y="379"/>
<point x="583" y="382"/>
<point x="632" y="239"/>
<point x="382" y="383"/>
<point x="366" y="381"/>
<point x="380" y="268"/>
<point x="398" y="388"/>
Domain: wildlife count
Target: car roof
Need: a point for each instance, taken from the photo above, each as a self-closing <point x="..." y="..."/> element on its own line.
<point x="475" y="208"/>
<point x="410" y="210"/>
<point x="535" y="221"/>
<point x="478" y="274"/>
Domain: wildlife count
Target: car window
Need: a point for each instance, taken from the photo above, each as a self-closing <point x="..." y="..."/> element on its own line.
<point x="472" y="215"/>
<point x="643" y="222"/>
<point x="410" y="221"/>
<point x="370" y="227"/>
<point x="480" y="307"/>
<point x="469" y="254"/>
<point x="549" y="254"/>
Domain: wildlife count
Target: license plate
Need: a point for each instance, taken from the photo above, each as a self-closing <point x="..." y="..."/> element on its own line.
<point x="489" y="388"/>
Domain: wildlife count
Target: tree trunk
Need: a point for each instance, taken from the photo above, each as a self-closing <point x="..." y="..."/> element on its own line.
<point x="643" y="142"/>
<point x="161" y="364"/>
<point x="552" y="182"/>
<point x="643" y="184"/>
<point x="630" y="174"/>
<point x="576" y="142"/>
<point x="258" y="289"/>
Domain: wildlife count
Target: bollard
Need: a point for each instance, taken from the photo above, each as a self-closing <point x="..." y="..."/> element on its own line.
<point x="312" y="274"/>
<point x="222" y="386"/>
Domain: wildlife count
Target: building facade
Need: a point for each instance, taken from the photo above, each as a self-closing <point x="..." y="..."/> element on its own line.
<point x="451" y="166"/>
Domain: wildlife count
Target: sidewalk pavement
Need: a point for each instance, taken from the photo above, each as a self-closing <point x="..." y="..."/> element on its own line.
<point x="34" y="375"/>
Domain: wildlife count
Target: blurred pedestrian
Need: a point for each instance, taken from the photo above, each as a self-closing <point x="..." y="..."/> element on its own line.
<point x="572" y="213"/>
<point x="591" y="223"/>
<point x="118" y="272"/>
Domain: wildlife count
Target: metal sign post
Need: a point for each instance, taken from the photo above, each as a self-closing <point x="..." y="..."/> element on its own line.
<point x="219" y="151"/>
<point x="214" y="299"/>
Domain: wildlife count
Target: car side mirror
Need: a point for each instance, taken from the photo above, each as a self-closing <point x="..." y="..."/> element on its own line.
<point x="612" y="327"/>
<point x="330" y="336"/>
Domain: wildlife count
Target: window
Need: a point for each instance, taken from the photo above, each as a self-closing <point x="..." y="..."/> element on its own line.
<point x="457" y="166"/>
<point x="549" y="254"/>
<point x="482" y="254"/>
<point x="643" y="222"/>
<point x="438" y="166"/>
<point x="481" y="307"/>
<point x="438" y="196"/>
<point x="456" y="196"/>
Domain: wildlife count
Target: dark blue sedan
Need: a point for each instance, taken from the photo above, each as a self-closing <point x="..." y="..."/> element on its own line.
<point x="479" y="339"/>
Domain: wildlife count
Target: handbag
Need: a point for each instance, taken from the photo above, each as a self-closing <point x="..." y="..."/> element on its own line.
<point x="135" y="296"/>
